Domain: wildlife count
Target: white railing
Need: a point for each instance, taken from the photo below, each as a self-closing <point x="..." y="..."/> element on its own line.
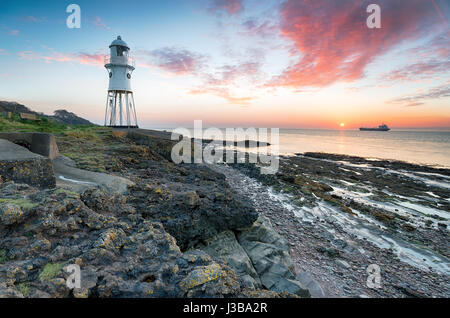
<point x="120" y="60"/>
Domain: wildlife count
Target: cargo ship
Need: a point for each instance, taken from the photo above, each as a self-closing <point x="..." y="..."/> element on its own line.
<point x="379" y="128"/>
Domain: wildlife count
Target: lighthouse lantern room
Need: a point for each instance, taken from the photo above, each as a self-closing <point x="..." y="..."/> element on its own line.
<point x="120" y="107"/>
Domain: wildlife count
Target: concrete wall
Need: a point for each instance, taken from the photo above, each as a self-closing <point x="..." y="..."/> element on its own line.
<point x="43" y="144"/>
<point x="22" y="166"/>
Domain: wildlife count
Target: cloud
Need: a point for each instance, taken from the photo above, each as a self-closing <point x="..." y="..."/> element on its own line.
<point x="227" y="74"/>
<point x="224" y="79"/>
<point x="98" y="22"/>
<point x="231" y="7"/>
<point x="432" y="59"/>
<point x="14" y="32"/>
<point x="217" y="81"/>
<point x="176" y="61"/>
<point x="264" y="29"/>
<point x="30" y="18"/>
<point x="333" y="43"/>
<point x="418" y="71"/>
<point x="441" y="91"/>
<point x="224" y="93"/>
<point x="81" y="58"/>
<point x="91" y="59"/>
<point x="28" y="55"/>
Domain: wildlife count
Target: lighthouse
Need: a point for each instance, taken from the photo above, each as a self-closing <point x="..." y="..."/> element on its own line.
<point x="120" y="108"/>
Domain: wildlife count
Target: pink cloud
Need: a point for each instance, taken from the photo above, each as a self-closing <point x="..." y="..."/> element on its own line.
<point x="442" y="91"/>
<point x="222" y="92"/>
<point x="91" y="59"/>
<point x="264" y="29"/>
<point x="418" y="71"/>
<point x="98" y="22"/>
<point x="229" y="6"/>
<point x="176" y="61"/>
<point x="14" y="32"/>
<point x="81" y="58"/>
<point x="221" y="82"/>
<point x="333" y="43"/>
<point x="28" y="55"/>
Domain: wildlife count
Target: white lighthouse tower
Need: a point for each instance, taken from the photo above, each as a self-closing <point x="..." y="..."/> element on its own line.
<point x="120" y="107"/>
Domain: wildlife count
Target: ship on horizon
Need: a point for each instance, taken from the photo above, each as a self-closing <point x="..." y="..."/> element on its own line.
<point x="382" y="127"/>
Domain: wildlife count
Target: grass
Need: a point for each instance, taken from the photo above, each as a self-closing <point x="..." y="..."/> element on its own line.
<point x="15" y="124"/>
<point x="50" y="271"/>
<point x="67" y="192"/>
<point x="24" y="288"/>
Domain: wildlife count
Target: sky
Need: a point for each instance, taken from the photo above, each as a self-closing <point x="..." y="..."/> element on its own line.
<point x="236" y="63"/>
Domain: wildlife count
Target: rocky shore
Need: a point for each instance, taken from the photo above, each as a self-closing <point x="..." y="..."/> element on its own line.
<point x="340" y="214"/>
<point x="179" y="230"/>
<point x="199" y="230"/>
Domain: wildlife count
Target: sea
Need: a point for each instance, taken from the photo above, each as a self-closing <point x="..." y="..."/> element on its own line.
<point x="414" y="146"/>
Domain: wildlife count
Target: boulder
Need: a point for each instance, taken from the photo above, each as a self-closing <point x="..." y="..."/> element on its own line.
<point x="201" y="208"/>
<point x="269" y="254"/>
<point x="10" y="214"/>
<point x="225" y="248"/>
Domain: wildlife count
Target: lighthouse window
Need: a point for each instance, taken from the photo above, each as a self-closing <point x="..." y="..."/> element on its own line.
<point x="129" y="75"/>
<point x="120" y="50"/>
<point x="110" y="74"/>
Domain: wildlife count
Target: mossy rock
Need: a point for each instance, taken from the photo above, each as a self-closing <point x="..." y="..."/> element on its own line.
<point x="20" y="202"/>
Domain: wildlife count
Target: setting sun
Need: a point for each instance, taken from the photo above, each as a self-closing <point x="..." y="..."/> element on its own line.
<point x="342" y="125"/>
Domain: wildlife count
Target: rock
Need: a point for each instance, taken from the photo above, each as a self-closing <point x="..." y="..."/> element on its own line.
<point x="9" y="292"/>
<point x="192" y="199"/>
<point x="119" y="254"/>
<point x="10" y="214"/>
<point x="269" y="254"/>
<point x="314" y="288"/>
<point x="201" y="209"/>
<point x="225" y="248"/>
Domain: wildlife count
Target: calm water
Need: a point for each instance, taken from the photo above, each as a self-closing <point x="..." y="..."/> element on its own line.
<point x="423" y="147"/>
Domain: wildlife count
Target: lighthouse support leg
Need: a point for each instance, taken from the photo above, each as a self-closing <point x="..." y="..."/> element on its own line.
<point x="121" y="111"/>
<point x="128" y="111"/>
<point x="134" y="110"/>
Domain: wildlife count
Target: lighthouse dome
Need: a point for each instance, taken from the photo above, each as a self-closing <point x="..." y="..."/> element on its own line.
<point x="119" y="42"/>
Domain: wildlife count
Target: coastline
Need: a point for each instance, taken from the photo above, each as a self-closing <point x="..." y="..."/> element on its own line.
<point x="222" y="230"/>
<point x="327" y="208"/>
